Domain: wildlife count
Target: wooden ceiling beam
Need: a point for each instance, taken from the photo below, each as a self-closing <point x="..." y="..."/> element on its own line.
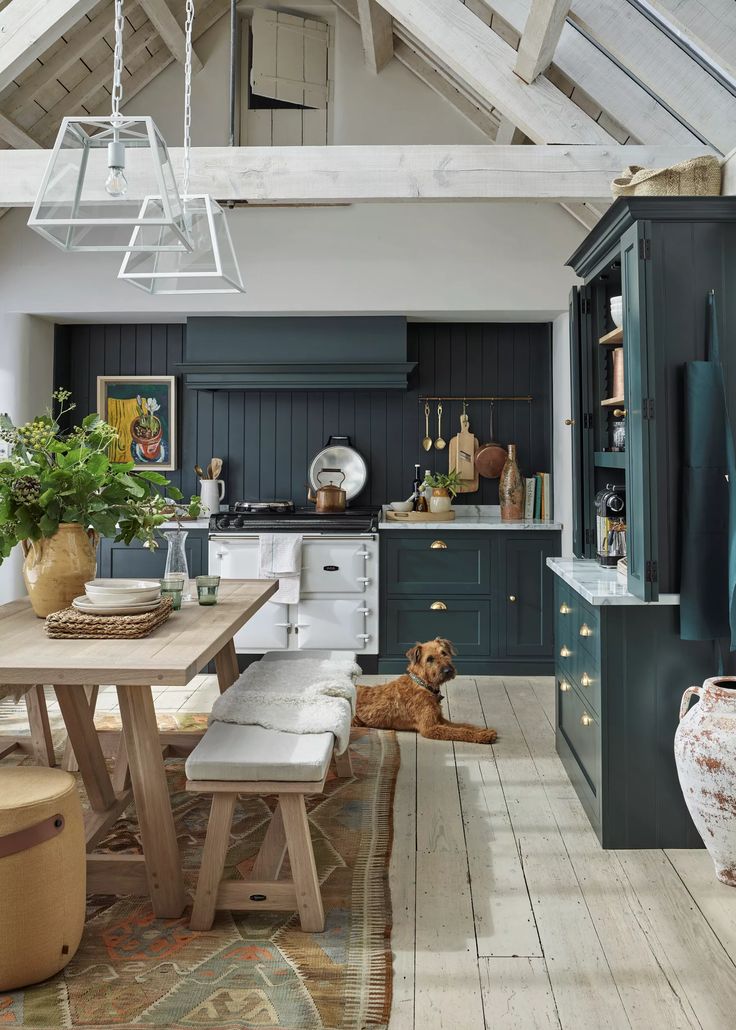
<point x="316" y="175"/>
<point x="161" y="16"/>
<point x="16" y="136"/>
<point x="508" y="134"/>
<point x="708" y="24"/>
<point x="480" y="58"/>
<point x="29" y="27"/>
<point x="540" y="37"/>
<point x="377" y="33"/>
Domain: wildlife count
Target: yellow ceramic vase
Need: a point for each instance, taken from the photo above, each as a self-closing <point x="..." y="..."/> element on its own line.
<point x="57" y="567"/>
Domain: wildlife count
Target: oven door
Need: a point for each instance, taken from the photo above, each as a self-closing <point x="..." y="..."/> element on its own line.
<point x="268" y="629"/>
<point x="336" y="625"/>
<point x="333" y="566"/>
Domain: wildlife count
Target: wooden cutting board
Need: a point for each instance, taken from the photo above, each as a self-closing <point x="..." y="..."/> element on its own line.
<point x="462" y="454"/>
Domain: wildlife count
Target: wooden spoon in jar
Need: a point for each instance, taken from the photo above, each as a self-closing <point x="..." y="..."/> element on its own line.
<point x="215" y="467"/>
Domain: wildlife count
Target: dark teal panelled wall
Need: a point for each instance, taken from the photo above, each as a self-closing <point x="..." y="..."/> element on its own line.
<point x="268" y="438"/>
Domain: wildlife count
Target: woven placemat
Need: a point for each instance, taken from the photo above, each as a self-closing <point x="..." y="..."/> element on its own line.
<point x="71" y="624"/>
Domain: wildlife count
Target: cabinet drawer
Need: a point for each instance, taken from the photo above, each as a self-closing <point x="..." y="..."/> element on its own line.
<point x="581" y="732"/>
<point x="433" y="563"/>
<point x="467" y="623"/>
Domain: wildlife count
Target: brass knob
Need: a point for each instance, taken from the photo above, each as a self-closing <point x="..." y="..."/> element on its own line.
<point x="438" y="545"/>
<point x="586" y="680"/>
<point x="565" y="652"/>
<point x="569" y="421"/>
<point x="565" y="609"/>
<point x="586" y="720"/>
<point x="512" y="598"/>
<point x="564" y="686"/>
<point x="438" y="606"/>
<point x="585" y="630"/>
<point x="619" y="412"/>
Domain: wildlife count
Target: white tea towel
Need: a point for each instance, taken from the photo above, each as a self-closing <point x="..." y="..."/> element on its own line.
<point x="290" y="713"/>
<point x="280" y="557"/>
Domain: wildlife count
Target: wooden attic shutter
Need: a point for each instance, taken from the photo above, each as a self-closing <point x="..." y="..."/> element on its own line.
<point x="289" y="60"/>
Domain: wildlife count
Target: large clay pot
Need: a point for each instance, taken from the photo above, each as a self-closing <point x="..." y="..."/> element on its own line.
<point x="511" y="489"/>
<point x="705" y="752"/>
<point x="57" y="567"/>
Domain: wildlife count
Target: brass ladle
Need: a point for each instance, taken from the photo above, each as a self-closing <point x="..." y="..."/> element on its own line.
<point x="427" y="441"/>
<point x="439" y="443"/>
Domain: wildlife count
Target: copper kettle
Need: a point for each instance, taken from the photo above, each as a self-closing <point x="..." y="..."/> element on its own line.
<point x="330" y="497"/>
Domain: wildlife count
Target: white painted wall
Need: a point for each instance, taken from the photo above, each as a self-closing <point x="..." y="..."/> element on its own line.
<point x="26" y="365"/>
<point x="561" y="435"/>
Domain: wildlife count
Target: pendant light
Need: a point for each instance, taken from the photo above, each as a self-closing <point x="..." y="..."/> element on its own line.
<point x="210" y="266"/>
<point x="100" y="171"/>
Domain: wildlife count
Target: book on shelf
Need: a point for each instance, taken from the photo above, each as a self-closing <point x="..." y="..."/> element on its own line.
<point x="529" y="494"/>
<point x="538" y="496"/>
<point x="542" y="490"/>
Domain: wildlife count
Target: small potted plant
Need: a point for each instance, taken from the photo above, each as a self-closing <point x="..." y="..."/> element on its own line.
<point x="59" y="492"/>
<point x="444" y="489"/>
<point x="146" y="428"/>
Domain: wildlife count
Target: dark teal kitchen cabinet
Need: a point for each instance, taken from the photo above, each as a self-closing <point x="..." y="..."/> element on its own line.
<point x="489" y="591"/>
<point x="134" y="561"/>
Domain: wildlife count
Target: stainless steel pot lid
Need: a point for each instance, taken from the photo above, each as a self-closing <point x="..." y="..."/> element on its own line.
<point x="339" y="455"/>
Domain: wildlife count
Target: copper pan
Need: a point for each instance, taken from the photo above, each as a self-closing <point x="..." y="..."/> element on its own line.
<point x="490" y="458"/>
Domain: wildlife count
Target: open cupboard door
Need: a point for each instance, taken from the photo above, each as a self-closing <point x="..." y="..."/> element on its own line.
<point x="582" y="421"/>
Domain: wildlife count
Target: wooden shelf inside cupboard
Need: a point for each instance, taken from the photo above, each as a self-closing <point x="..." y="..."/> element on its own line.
<point x="610" y="402"/>
<point x="614" y="339"/>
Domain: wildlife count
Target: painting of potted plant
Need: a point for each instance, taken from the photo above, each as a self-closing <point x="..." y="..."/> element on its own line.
<point x="143" y="411"/>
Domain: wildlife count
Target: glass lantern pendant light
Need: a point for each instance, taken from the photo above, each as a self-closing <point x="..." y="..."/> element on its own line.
<point x="100" y="171"/>
<point x="210" y="266"/>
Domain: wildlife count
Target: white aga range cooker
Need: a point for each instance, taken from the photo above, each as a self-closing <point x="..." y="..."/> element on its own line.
<point x="338" y="602"/>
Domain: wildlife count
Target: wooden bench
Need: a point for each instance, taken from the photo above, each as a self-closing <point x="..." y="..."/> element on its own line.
<point x="231" y="760"/>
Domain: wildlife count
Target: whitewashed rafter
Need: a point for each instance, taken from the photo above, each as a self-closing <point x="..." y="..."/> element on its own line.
<point x="540" y="37"/>
<point x="29" y="27"/>
<point x="710" y="25"/>
<point x="377" y="34"/>
<point x="161" y="16"/>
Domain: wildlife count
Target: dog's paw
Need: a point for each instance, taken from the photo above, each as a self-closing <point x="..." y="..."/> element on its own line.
<point x="488" y="737"/>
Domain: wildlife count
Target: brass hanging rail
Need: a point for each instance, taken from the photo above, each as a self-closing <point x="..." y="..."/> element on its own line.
<point x="461" y="400"/>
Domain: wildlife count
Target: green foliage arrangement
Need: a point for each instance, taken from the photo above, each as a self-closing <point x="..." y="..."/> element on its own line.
<point x="52" y="477"/>
<point x="450" y="481"/>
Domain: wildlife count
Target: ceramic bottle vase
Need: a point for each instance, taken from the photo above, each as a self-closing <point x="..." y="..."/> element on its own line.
<point x="57" y="567"/>
<point x="705" y="753"/>
<point x="511" y="488"/>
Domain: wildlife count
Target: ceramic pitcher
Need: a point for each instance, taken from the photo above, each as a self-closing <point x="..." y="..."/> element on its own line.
<point x="705" y="753"/>
<point x="212" y="492"/>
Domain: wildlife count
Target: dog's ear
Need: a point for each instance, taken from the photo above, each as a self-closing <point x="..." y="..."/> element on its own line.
<point x="447" y="644"/>
<point x="414" y="654"/>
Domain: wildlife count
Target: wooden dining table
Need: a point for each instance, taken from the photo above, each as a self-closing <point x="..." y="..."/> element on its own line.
<point x="172" y="655"/>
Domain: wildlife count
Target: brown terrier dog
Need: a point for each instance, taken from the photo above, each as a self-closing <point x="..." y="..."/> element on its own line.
<point x="412" y="702"/>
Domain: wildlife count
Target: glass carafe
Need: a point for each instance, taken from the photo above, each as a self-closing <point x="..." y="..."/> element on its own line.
<point x="176" y="558"/>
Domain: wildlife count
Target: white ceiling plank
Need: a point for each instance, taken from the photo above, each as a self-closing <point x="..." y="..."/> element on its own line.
<point x="315" y="175"/>
<point x="452" y="33"/>
<point x="508" y="134"/>
<point x="608" y="85"/>
<point x="161" y="16"/>
<point x="709" y="24"/>
<point x="28" y="27"/>
<point x="540" y="37"/>
<point x="15" y="136"/>
<point x="377" y="34"/>
<point x="662" y="66"/>
<point x="728" y="183"/>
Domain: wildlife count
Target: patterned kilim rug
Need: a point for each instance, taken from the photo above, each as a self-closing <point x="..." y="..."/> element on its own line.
<point x="250" y="969"/>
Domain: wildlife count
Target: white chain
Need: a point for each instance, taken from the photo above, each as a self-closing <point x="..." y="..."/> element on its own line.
<point x="188" y="93"/>
<point x="117" y="67"/>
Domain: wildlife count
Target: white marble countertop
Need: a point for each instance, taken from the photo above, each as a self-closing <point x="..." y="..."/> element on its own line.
<point x="473" y="516"/>
<point x="598" y="585"/>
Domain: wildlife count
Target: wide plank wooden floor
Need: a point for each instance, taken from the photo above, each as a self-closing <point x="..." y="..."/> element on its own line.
<point x="507" y="915"/>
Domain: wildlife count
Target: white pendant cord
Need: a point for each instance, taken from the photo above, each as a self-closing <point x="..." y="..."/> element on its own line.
<point x="117" y="66"/>
<point x="188" y="25"/>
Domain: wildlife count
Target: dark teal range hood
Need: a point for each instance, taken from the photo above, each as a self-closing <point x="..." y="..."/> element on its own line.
<point x="320" y="353"/>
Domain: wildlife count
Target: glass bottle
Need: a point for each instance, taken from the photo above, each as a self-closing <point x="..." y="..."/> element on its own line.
<point x="176" y="558"/>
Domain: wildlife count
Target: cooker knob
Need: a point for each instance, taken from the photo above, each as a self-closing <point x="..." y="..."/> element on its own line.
<point x="223" y="523"/>
<point x="238" y="523"/>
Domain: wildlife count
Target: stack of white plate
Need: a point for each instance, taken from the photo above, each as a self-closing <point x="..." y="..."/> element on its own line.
<point x="119" y="597"/>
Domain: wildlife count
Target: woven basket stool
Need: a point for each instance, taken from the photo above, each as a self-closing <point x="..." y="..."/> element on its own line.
<point x="42" y="874"/>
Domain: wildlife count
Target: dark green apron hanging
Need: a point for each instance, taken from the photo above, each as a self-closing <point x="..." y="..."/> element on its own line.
<point x="708" y="580"/>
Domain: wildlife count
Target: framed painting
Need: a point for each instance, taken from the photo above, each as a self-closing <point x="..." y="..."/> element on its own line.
<point x="143" y="410"/>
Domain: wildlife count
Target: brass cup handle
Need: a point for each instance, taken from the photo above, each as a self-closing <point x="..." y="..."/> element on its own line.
<point x="565" y="609"/>
<point x="438" y="545"/>
<point x="438" y="606"/>
<point x="512" y="598"/>
<point x="564" y="687"/>
<point x="569" y="421"/>
<point x="585" y="630"/>
<point x="586" y="720"/>
<point x="565" y="652"/>
<point x="619" y="412"/>
<point x="586" y="680"/>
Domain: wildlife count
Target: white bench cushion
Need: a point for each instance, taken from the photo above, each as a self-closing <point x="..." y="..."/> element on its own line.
<point x="231" y="752"/>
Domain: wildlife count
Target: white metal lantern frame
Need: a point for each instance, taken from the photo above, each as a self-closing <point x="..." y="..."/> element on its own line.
<point x="210" y="266"/>
<point x="84" y="202"/>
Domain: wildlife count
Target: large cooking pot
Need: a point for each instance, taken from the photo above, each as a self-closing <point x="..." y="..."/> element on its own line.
<point x="330" y="497"/>
<point x="338" y="454"/>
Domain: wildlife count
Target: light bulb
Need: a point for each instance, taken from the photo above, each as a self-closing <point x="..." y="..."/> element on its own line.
<point x="116" y="184"/>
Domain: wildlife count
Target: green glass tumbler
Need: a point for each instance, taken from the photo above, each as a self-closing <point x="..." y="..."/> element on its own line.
<point x="207" y="587"/>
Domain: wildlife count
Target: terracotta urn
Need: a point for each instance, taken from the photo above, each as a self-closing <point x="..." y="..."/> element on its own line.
<point x="705" y="753"/>
<point x="440" y="501"/>
<point x="57" y="567"/>
<point x="511" y="488"/>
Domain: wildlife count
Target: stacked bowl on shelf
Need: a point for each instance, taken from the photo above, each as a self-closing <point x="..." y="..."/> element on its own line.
<point x="119" y="597"/>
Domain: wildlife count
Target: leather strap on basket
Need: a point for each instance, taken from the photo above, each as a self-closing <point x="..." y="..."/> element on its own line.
<point x="22" y="840"/>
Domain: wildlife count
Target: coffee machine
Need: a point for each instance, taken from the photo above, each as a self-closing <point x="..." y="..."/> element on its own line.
<point x="610" y="521"/>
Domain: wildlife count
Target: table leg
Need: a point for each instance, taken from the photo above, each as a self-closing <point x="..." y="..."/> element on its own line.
<point x="226" y="666"/>
<point x="69" y="761"/>
<point x="150" y="790"/>
<point x="83" y="737"/>
<point x="38" y="719"/>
